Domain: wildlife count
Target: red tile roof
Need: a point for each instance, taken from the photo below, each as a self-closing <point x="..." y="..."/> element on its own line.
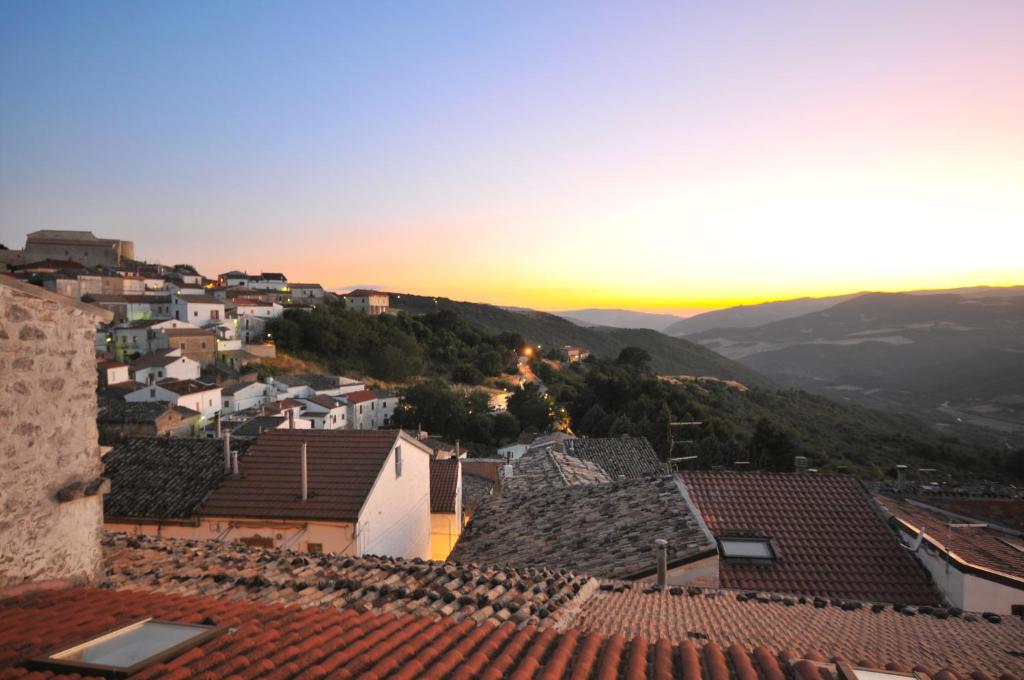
<point x="885" y="638"/>
<point x="360" y="396"/>
<point x="444" y="481"/>
<point x="1006" y="511"/>
<point x="272" y="641"/>
<point x="983" y="547"/>
<point x="342" y="467"/>
<point x="831" y="540"/>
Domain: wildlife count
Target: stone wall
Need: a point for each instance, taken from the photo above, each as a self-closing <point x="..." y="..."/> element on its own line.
<point x="51" y="504"/>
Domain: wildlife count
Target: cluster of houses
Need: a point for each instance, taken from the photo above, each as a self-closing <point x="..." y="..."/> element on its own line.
<point x="307" y="551"/>
<point x="187" y="342"/>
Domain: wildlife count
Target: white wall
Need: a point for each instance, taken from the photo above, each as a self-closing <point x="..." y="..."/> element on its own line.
<point x="964" y="590"/>
<point x="395" y="520"/>
<point x="182" y="369"/>
<point x="247" y="397"/>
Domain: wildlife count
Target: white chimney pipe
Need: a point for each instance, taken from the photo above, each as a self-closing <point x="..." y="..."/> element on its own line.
<point x="234" y="463"/>
<point x="227" y="452"/>
<point x="305" y="474"/>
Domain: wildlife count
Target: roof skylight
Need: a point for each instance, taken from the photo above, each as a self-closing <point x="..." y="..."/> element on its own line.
<point x="746" y="548"/>
<point x="129" y="649"/>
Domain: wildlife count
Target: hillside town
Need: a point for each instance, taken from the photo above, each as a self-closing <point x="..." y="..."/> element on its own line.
<point x="281" y="525"/>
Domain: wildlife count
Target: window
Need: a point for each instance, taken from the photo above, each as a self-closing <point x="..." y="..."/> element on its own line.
<point x="746" y="548"/>
<point x="195" y="312"/>
<point x="315" y="548"/>
<point x="152" y="393"/>
<point x="225" y="403"/>
<point x="159" y="374"/>
<point x="257" y="541"/>
<point x="398" y="462"/>
<point x="128" y="649"/>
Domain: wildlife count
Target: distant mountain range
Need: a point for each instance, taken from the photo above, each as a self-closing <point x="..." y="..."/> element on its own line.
<point x="953" y="358"/>
<point x="620" y="318"/>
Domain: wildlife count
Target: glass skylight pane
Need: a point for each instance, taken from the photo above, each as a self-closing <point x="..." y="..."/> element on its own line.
<point x="128" y="646"/>
<point x="755" y="549"/>
<point x="863" y="674"/>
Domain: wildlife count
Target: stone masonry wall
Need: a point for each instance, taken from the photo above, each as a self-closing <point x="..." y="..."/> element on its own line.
<point x="48" y="439"/>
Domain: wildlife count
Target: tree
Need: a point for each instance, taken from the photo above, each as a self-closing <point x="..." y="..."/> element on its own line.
<point x="771" y="447"/>
<point x="531" y="408"/>
<point x="506" y="427"/>
<point x="435" y="407"/>
<point x="637" y="357"/>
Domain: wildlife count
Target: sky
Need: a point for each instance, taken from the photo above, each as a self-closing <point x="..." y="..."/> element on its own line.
<point x="658" y="156"/>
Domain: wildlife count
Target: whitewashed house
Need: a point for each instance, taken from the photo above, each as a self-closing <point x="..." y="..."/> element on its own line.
<point x="371" y="302"/>
<point x="201" y="397"/>
<point x="239" y="396"/>
<point x="369" y="410"/>
<point x="269" y="281"/>
<point x="161" y="364"/>
<point x="326" y="413"/>
<point x="199" y="310"/>
<point x="142" y="337"/>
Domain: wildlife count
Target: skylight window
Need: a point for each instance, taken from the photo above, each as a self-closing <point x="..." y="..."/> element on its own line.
<point x="746" y="548"/>
<point x="847" y="672"/>
<point x="129" y="649"/>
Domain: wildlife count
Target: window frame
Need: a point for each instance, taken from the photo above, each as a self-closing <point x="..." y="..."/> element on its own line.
<point x="48" y="662"/>
<point x="760" y="540"/>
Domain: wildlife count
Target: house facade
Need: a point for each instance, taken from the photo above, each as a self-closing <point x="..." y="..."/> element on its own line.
<point x="368" y="301"/>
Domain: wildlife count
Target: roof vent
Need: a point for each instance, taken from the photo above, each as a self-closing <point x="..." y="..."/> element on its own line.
<point x="305" y="474"/>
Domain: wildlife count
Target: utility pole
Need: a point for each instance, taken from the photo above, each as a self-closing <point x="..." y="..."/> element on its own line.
<point x="672" y="441"/>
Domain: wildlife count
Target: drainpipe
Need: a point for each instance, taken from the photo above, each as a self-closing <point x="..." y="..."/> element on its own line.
<point x="227" y="452"/>
<point x="305" y="475"/>
<point x="661" y="554"/>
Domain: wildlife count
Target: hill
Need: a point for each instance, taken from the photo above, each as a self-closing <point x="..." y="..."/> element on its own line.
<point x="620" y="318"/>
<point x="749" y="316"/>
<point x="954" y="359"/>
<point x="671" y="356"/>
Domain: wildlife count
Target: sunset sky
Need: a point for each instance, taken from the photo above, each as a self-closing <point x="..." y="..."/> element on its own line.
<point x="666" y="157"/>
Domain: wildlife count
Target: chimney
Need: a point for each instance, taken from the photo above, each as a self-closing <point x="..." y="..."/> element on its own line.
<point x="227" y="452"/>
<point x="458" y="449"/>
<point x="305" y="474"/>
<point x="216" y="420"/>
<point x="800" y="463"/>
<point x="291" y="419"/>
<point x="901" y="472"/>
<point x="661" y="555"/>
<point x="234" y="463"/>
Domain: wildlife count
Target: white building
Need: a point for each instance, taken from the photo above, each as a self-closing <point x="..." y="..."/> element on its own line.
<point x="368" y="410"/>
<point x="199" y="310"/>
<point x="269" y="281"/>
<point x="198" y="396"/>
<point x="325" y="413"/>
<point x="252" y="316"/>
<point x="141" y="337"/>
<point x="161" y="364"/>
<point x="112" y="372"/>
<point x="367" y="301"/>
<point x="239" y="396"/>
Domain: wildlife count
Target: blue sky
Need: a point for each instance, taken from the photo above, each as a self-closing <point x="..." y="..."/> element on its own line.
<point x="679" y="155"/>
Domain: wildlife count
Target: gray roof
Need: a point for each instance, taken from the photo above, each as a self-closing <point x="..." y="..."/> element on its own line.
<point x="258" y="425"/>
<point x="474" y="490"/>
<point x="550" y="469"/>
<point x="606" y="530"/>
<point x="121" y="411"/>
<point x="160" y="478"/>
<point x="625" y="457"/>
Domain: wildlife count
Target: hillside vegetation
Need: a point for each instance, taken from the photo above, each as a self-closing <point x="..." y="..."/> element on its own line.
<point x="669" y="356"/>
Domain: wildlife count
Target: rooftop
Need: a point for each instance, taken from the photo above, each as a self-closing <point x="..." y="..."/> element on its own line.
<point x="157" y="359"/>
<point x="183" y="387"/>
<point x="360" y="396"/>
<point x="607" y="530"/>
<point x="117" y="410"/>
<point x="158" y="478"/>
<point x="987" y="547"/>
<point x="343" y="466"/>
<point x="829" y="538"/>
<point x="444" y="483"/>
<point x="627" y="457"/>
<point x="869" y="636"/>
<point x="199" y="299"/>
<point x="396" y="586"/>
<point x="258" y="425"/>
<point x="543" y="469"/>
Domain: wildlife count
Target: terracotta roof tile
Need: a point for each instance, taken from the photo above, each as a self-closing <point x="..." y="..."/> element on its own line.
<point x="740" y="622"/>
<point x="342" y="464"/>
<point x="832" y="542"/>
<point x="444" y="482"/>
<point x="984" y="547"/>
<point x="232" y="571"/>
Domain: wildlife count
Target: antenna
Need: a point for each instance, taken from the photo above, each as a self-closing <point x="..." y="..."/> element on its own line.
<point x="672" y="441"/>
